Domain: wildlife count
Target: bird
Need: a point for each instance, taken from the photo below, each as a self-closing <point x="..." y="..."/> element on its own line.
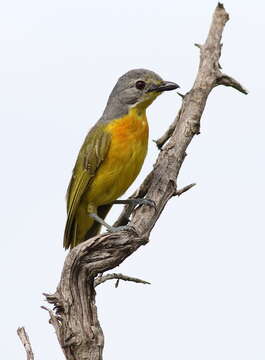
<point x="112" y="155"/>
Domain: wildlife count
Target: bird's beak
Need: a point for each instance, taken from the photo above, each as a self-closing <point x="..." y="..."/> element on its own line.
<point x="166" y="86"/>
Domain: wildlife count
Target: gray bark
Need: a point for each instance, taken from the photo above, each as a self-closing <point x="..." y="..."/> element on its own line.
<point x="75" y="316"/>
<point x="25" y="342"/>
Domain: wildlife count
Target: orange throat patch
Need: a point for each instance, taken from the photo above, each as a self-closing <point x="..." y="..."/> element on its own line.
<point x="129" y="140"/>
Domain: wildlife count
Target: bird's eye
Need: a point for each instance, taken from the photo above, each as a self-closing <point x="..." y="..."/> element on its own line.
<point x="140" y="84"/>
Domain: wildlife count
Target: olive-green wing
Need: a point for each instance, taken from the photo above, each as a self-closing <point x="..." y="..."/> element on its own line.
<point x="91" y="155"/>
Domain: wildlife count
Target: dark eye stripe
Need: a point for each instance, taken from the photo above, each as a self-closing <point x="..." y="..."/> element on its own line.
<point x="140" y="84"/>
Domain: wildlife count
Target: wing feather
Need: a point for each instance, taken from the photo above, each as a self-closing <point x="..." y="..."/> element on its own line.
<point x="92" y="154"/>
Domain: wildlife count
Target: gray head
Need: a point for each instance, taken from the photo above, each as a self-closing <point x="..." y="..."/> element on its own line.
<point x="137" y="87"/>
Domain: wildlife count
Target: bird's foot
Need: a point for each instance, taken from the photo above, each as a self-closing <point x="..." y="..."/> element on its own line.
<point x="140" y="201"/>
<point x="109" y="228"/>
<point x="136" y="201"/>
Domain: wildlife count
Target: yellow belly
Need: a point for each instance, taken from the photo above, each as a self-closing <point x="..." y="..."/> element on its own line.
<point x="129" y="140"/>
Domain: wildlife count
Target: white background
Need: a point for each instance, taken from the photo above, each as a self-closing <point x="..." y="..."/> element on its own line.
<point x="59" y="61"/>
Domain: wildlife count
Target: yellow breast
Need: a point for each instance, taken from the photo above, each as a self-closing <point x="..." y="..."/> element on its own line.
<point x="129" y="140"/>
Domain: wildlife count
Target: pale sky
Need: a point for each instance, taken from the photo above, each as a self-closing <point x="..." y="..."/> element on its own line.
<point x="59" y="61"/>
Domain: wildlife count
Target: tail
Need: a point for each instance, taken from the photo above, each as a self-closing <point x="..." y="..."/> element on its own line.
<point x="83" y="227"/>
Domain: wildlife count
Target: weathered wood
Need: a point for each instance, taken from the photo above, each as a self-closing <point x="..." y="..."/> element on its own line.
<point x="101" y="279"/>
<point x="26" y="343"/>
<point x="76" y="322"/>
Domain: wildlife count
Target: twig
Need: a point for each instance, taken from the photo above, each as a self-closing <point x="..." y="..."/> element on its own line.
<point x="198" y="45"/>
<point x="101" y="279"/>
<point x="54" y="321"/>
<point x="163" y="139"/>
<point x="184" y="189"/>
<point x="226" y="80"/>
<point x="26" y="342"/>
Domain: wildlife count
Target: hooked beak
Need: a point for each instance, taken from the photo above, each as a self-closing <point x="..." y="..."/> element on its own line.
<point x="166" y="86"/>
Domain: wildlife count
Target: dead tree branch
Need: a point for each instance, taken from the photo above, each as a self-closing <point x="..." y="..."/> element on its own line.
<point x="76" y="321"/>
<point x="184" y="189"/>
<point x="101" y="279"/>
<point x="26" y="343"/>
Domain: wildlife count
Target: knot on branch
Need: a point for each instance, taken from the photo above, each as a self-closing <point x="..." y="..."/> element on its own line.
<point x="193" y="126"/>
<point x="54" y="300"/>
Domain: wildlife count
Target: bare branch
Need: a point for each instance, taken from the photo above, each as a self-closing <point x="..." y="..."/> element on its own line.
<point x="77" y="327"/>
<point x="164" y="138"/>
<point x="198" y="45"/>
<point x="55" y="321"/>
<point x="181" y="95"/>
<point x="184" y="189"/>
<point x="226" y="80"/>
<point x="21" y="331"/>
<point x="101" y="279"/>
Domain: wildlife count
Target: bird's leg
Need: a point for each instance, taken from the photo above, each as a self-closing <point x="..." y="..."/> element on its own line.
<point x="109" y="227"/>
<point x="135" y="202"/>
<point x="99" y="220"/>
<point x="131" y="202"/>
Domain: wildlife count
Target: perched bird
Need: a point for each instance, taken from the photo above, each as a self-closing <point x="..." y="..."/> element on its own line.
<point x="112" y="155"/>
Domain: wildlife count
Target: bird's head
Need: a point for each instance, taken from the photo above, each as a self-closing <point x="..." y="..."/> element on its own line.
<point x="138" y="87"/>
